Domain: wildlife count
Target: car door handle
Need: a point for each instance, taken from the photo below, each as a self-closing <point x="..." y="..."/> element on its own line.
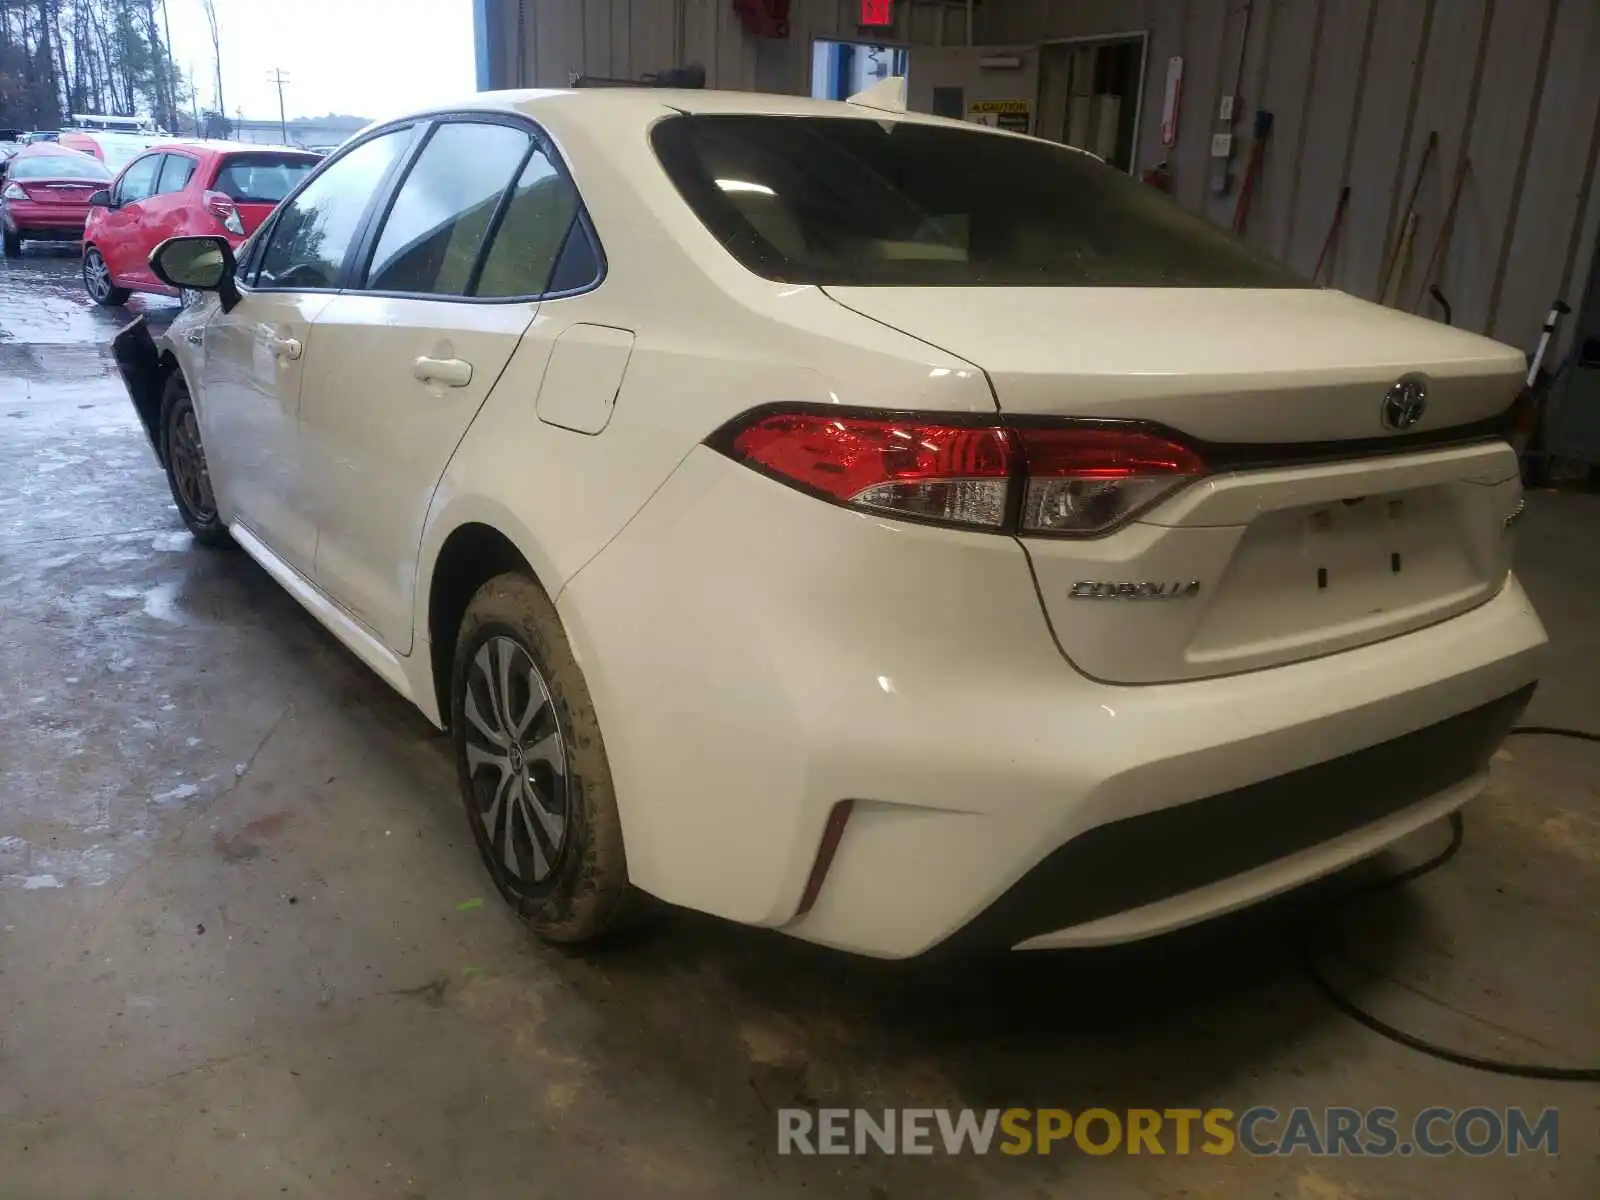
<point x="452" y="372"/>
<point x="286" y="347"/>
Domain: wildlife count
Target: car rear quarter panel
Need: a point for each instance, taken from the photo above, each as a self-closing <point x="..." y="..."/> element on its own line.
<point x="711" y="341"/>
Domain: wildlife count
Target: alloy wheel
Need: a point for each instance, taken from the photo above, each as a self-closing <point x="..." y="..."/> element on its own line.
<point x="516" y="760"/>
<point x="189" y="470"/>
<point x="96" y="275"/>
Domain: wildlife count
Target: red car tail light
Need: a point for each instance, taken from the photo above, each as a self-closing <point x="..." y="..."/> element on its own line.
<point x="223" y="209"/>
<point x="1088" y="479"/>
<point x="1057" y="480"/>
<point x="911" y="466"/>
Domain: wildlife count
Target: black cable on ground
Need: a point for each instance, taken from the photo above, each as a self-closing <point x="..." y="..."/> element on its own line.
<point x="1356" y="1013"/>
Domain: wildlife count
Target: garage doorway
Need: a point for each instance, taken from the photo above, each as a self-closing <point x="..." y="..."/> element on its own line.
<point x="1090" y="93"/>
<point x="841" y="69"/>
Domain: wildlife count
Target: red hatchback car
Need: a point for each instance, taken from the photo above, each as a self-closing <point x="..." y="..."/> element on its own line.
<point x="183" y="188"/>
<point x="46" y="195"/>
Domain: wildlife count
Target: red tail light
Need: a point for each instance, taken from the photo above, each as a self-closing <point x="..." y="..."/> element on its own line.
<point x="1060" y="480"/>
<point x="953" y="474"/>
<point x="1088" y="479"/>
<point x="1522" y="421"/>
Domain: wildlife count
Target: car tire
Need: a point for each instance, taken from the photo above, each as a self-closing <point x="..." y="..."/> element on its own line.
<point x="567" y="879"/>
<point x="97" y="281"/>
<point x="13" y="244"/>
<point x="187" y="474"/>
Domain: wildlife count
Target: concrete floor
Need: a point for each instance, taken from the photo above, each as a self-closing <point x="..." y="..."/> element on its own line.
<point x="242" y="954"/>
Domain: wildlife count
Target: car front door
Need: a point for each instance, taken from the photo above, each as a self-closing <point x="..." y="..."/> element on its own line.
<point x="118" y="237"/>
<point x="161" y="214"/>
<point x="405" y="360"/>
<point x="255" y="356"/>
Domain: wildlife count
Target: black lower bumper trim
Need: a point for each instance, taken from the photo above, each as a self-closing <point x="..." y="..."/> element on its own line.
<point x="1141" y="860"/>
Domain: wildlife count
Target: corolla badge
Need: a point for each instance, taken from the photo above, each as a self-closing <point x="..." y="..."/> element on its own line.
<point x="1090" y="589"/>
<point x="1404" y="404"/>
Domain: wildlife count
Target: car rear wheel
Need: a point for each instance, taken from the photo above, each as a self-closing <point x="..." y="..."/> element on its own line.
<point x="13" y="244"/>
<point x="187" y="472"/>
<point x="97" y="280"/>
<point x="532" y="767"/>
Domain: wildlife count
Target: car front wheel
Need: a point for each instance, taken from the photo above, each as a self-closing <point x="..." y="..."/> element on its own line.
<point x="532" y="767"/>
<point x="97" y="280"/>
<point x="13" y="244"/>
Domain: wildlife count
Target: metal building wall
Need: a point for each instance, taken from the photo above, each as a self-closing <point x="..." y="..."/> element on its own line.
<point x="625" y="39"/>
<point x="1356" y="87"/>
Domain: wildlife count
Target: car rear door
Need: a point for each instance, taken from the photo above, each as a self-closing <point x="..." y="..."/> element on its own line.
<point x="452" y="279"/>
<point x="254" y="357"/>
<point x="162" y="214"/>
<point x="117" y="234"/>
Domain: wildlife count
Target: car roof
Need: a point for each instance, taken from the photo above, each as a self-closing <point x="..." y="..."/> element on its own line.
<point x="220" y="146"/>
<point x="647" y="104"/>
<point x="46" y="149"/>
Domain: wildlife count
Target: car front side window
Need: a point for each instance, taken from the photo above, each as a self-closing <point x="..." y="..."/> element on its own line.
<point x="313" y="234"/>
<point x="139" y="180"/>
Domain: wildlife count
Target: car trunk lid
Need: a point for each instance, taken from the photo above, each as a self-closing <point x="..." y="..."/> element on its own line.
<point x="1318" y="526"/>
<point x="50" y="191"/>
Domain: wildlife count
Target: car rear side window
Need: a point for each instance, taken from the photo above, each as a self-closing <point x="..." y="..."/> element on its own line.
<point x="313" y="233"/>
<point x="261" y="178"/>
<point x="175" y="174"/>
<point x="840" y="200"/>
<point x="523" y="255"/>
<point x="442" y="212"/>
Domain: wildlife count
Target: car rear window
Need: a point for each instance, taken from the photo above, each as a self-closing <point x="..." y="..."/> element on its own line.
<point x="841" y="200"/>
<point x="58" y="166"/>
<point x="261" y="178"/>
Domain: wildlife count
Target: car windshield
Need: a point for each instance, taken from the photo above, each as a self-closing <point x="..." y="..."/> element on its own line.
<point x="840" y="200"/>
<point x="261" y="178"/>
<point x="58" y="166"/>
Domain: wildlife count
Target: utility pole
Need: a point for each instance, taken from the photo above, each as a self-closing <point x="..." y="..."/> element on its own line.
<point x="279" y="79"/>
<point x="172" y="71"/>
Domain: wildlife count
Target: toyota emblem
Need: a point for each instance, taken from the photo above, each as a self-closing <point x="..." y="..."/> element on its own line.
<point x="1404" y="404"/>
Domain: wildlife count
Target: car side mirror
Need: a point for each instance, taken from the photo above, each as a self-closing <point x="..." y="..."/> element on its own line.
<point x="202" y="264"/>
<point x="100" y="199"/>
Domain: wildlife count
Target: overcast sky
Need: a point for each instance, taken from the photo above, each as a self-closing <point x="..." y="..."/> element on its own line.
<point x="368" y="58"/>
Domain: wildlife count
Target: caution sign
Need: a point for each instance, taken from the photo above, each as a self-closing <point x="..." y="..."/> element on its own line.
<point x="1014" y="115"/>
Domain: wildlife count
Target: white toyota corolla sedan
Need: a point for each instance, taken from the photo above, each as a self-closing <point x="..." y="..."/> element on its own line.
<point x="895" y="532"/>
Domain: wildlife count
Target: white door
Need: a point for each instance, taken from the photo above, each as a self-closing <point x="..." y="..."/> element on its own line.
<point x="406" y="359"/>
<point x="256" y="355"/>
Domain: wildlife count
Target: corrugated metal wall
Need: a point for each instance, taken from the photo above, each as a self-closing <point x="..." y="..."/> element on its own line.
<point x="1512" y="87"/>
<point x="624" y="39"/>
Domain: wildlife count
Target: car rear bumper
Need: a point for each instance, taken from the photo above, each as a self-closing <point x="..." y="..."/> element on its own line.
<point x="1149" y="874"/>
<point x="44" y="220"/>
<point x="757" y="657"/>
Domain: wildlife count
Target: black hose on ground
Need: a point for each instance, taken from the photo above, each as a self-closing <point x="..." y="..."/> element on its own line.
<point x="1355" y="1012"/>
